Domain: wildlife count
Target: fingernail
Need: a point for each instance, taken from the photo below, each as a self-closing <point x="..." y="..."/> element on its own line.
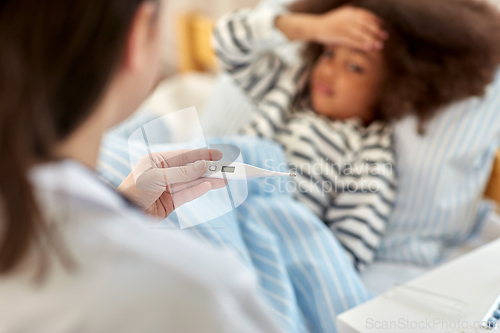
<point x="199" y="165"/>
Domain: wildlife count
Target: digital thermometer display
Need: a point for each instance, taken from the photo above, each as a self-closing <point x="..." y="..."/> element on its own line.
<point x="228" y="169"/>
<point x="239" y="171"/>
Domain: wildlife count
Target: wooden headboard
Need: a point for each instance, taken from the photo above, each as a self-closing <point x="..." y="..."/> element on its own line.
<point x="195" y="51"/>
<point x="195" y="54"/>
<point x="493" y="190"/>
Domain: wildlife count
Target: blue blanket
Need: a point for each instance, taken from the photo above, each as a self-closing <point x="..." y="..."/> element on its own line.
<point x="303" y="273"/>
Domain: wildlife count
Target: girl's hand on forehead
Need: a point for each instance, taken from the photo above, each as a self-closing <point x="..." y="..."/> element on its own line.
<point x="350" y="27"/>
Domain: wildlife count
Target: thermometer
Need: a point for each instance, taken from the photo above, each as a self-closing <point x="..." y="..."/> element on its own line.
<point x="239" y="171"/>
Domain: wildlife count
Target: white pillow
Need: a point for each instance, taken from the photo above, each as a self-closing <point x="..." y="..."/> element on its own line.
<point x="442" y="179"/>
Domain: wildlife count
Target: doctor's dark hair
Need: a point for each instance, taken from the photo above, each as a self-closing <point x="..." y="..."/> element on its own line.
<point x="438" y="51"/>
<point x="56" y="59"/>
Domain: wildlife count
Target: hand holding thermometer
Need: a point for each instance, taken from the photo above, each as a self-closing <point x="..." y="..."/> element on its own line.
<point x="238" y="171"/>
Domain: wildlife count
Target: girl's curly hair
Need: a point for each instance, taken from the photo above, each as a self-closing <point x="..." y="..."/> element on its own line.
<point x="438" y="51"/>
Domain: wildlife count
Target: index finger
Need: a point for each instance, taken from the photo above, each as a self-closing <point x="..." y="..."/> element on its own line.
<point x="368" y="16"/>
<point x="185" y="156"/>
<point x="373" y="30"/>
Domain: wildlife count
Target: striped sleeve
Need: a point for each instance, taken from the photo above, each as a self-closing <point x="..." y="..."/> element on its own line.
<point x="363" y="198"/>
<point x="243" y="41"/>
<point x="274" y="108"/>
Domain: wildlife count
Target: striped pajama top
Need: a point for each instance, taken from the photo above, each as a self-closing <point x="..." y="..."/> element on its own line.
<point x="345" y="171"/>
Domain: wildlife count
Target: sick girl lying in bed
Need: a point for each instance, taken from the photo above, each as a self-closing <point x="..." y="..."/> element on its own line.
<point x="366" y="64"/>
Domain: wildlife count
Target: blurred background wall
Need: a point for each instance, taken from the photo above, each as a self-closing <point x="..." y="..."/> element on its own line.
<point x="210" y="8"/>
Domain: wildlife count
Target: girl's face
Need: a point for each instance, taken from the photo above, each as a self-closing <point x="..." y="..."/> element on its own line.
<point x="346" y="82"/>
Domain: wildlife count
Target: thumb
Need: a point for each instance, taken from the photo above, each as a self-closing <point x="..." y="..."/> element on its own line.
<point x="158" y="179"/>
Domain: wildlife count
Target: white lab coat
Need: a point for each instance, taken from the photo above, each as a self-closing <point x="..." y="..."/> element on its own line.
<point x="126" y="276"/>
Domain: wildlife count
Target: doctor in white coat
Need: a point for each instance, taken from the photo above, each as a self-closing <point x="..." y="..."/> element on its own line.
<point x="75" y="254"/>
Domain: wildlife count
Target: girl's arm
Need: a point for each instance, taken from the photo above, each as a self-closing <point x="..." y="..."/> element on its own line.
<point x="243" y="41"/>
<point x="275" y="106"/>
<point x="347" y="26"/>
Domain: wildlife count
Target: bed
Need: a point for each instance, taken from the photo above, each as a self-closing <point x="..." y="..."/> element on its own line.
<point x="299" y="301"/>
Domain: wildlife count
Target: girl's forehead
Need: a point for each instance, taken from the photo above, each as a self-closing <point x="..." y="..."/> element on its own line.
<point x="373" y="56"/>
